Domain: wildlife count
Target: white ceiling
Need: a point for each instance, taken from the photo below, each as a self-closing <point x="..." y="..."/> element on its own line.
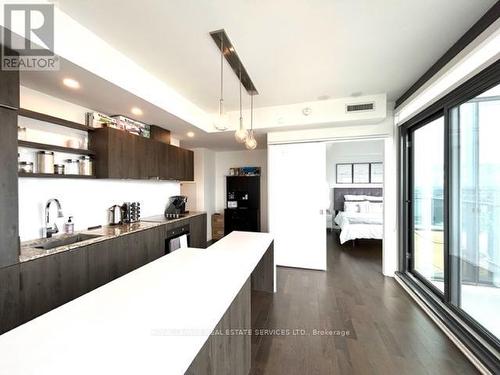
<point x="100" y="95"/>
<point x="294" y="51"/>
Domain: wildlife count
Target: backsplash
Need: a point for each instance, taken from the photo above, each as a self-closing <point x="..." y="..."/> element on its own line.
<point x="86" y="200"/>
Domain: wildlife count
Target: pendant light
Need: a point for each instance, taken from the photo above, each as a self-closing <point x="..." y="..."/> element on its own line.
<point x="251" y="142"/>
<point x="241" y="134"/>
<point x="222" y="122"/>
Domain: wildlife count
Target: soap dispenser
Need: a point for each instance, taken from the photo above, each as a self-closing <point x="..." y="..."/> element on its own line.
<point x="69" y="227"/>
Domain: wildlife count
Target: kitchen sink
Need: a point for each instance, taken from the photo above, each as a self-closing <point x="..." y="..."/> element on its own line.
<point x="66" y="240"/>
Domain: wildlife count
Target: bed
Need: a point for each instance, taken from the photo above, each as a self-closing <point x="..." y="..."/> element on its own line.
<point x="359" y="213"/>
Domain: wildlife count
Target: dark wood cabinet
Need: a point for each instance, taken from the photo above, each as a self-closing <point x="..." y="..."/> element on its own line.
<point x="107" y="261"/>
<point x="32" y="288"/>
<point x="175" y="163"/>
<point x="51" y="281"/>
<point x="113" y="258"/>
<point x="188" y="165"/>
<point x="126" y="156"/>
<point x="198" y="230"/>
<point x="10" y="299"/>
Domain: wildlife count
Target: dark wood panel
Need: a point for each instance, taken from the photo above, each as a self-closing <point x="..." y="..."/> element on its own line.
<point x="10" y="299"/>
<point x="126" y="156"/>
<point x="175" y="163"/>
<point x="9" y="87"/>
<point x="158" y="236"/>
<point x="263" y="274"/>
<point x="9" y="216"/>
<point x="53" y="175"/>
<point x="72" y="280"/>
<point x="51" y="281"/>
<point x="113" y="258"/>
<point x="198" y="230"/>
<point x="164" y="163"/>
<point x="188" y="170"/>
<point x="54" y="120"/>
<point x="159" y="134"/>
<point x="99" y="264"/>
<point x="226" y="353"/>
<point x="99" y="144"/>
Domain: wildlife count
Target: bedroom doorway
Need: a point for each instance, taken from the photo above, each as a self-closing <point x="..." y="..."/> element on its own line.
<point x="354" y="221"/>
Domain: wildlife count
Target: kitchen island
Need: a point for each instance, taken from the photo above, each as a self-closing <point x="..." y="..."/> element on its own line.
<point x="157" y="319"/>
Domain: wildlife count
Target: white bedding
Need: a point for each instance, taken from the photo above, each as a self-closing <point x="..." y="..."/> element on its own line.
<point x="356" y="225"/>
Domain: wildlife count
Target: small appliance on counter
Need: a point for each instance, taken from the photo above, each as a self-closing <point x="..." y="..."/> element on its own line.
<point x="115" y="216"/>
<point x="176" y="207"/>
<point x="131" y="212"/>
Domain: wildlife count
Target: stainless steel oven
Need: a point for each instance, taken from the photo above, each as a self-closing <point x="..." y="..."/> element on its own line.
<point x="177" y="238"/>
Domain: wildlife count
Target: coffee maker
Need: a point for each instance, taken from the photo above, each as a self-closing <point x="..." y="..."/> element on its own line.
<point x="176" y="207"/>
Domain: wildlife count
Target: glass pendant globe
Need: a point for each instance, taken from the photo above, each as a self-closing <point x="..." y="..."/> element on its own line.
<point x="221" y="123"/>
<point x="241" y="135"/>
<point x="251" y="143"/>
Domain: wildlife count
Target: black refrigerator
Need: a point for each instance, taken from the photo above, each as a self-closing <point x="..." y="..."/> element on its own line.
<point x="242" y="211"/>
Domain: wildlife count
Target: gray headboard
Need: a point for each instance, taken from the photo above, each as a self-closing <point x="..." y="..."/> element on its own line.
<point x="338" y="195"/>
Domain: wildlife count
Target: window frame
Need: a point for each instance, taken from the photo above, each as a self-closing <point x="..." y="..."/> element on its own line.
<point x="410" y="214"/>
<point x="476" y="85"/>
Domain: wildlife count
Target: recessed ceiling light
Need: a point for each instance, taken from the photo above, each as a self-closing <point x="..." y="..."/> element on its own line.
<point x="323" y="97"/>
<point x="136" y="111"/>
<point x="71" y="83"/>
<point x="190" y="134"/>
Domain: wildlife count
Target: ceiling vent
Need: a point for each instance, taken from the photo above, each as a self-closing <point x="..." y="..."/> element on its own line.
<point x="360" y="107"/>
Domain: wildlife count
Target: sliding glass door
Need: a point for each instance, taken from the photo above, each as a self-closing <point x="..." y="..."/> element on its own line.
<point x="452" y="209"/>
<point x="427" y="195"/>
<point x="475" y="191"/>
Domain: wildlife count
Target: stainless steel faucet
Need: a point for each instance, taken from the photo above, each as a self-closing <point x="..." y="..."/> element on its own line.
<point x="50" y="230"/>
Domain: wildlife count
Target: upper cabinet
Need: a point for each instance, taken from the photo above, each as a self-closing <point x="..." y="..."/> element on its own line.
<point x="122" y="155"/>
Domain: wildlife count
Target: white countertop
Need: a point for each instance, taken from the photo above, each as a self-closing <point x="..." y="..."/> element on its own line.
<point x="123" y="327"/>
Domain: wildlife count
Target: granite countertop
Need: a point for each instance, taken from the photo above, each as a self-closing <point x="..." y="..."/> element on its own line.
<point x="29" y="250"/>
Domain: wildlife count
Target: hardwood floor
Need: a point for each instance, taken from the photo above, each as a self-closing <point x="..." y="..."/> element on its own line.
<point x="385" y="331"/>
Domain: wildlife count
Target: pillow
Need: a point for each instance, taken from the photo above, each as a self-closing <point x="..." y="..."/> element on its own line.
<point x="356" y="207"/>
<point x="375" y="207"/>
<point x="352" y="198"/>
<point x="351" y="207"/>
<point x="372" y="198"/>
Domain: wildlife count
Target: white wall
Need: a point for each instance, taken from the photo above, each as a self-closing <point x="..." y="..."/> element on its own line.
<point x="475" y="57"/>
<point x="231" y="159"/>
<point x="352" y="152"/>
<point x="86" y="200"/>
<point x="385" y="130"/>
<point x="204" y="176"/>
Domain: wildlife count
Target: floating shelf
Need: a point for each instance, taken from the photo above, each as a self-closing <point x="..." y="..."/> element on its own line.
<point x="52" y="175"/>
<point x="54" y="120"/>
<point x="43" y="146"/>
